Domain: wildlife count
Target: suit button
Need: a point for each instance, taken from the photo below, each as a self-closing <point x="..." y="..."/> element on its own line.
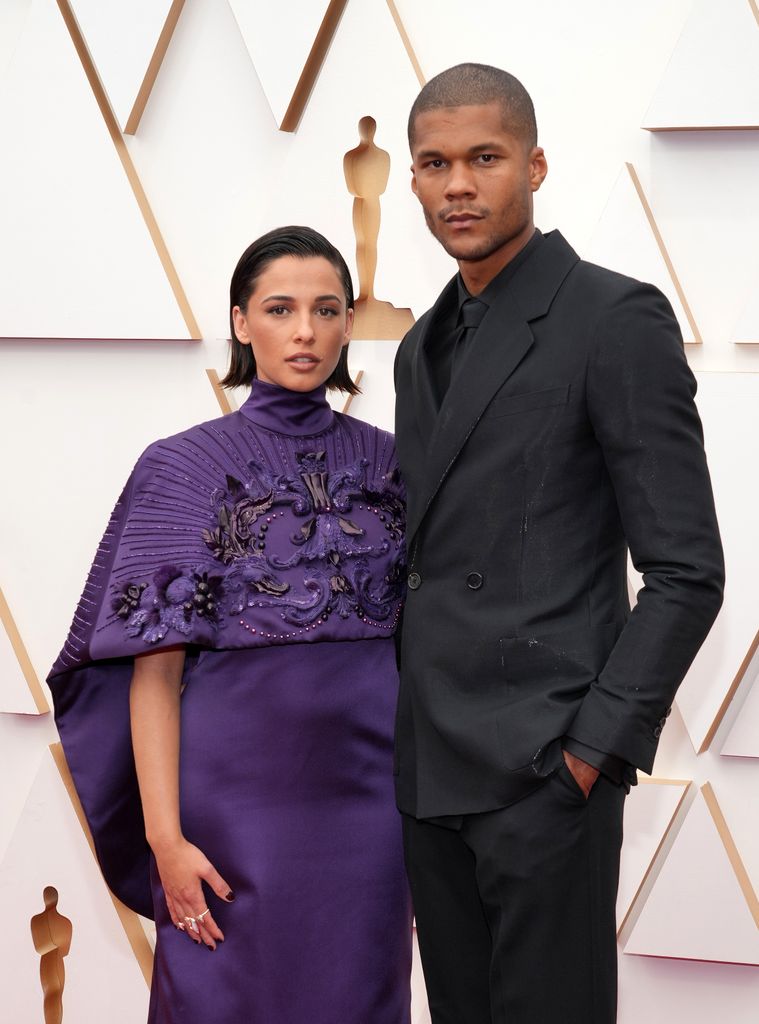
<point x="668" y="712"/>
<point x="414" y="581"/>
<point x="662" y="722"/>
<point x="657" y="731"/>
<point x="474" y="580"/>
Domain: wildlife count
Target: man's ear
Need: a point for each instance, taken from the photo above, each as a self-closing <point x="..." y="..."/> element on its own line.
<point x="538" y="167"/>
<point x="414" y="188"/>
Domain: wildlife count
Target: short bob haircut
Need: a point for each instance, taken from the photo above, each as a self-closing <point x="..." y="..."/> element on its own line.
<point x="292" y="240"/>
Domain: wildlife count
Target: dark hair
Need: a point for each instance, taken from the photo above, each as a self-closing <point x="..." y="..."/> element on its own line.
<point x="468" y="85"/>
<point x="292" y="240"/>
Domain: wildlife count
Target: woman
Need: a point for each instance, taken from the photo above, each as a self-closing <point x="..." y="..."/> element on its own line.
<point x="254" y="565"/>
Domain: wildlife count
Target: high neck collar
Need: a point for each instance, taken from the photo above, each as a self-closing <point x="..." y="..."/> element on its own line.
<point x="288" y="412"/>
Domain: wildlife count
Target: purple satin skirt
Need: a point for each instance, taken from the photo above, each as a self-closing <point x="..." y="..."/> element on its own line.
<point x="286" y="785"/>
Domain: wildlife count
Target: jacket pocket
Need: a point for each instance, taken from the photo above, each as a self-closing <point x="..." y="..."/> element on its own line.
<point x="545" y="678"/>
<point x="510" y="404"/>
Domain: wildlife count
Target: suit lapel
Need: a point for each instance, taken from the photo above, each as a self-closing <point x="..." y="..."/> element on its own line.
<point x="502" y="341"/>
<point x="425" y="400"/>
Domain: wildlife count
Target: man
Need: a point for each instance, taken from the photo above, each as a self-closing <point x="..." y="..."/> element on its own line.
<point x="545" y="424"/>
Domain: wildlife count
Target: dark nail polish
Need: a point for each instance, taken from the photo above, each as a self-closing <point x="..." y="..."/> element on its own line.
<point x="211" y="948"/>
<point x="230" y="897"/>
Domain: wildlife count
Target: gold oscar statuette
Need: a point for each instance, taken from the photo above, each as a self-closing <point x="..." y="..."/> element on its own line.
<point x="51" y="935"/>
<point x="367" y="171"/>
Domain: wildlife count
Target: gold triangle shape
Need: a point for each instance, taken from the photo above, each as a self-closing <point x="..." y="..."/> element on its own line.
<point x="645" y="936"/>
<point x="130" y="922"/>
<point x="19" y="649"/>
<point x="162" y="45"/>
<point x="313" y="65"/>
<point x="663" y="250"/>
<point x="114" y="131"/>
<point x="222" y="397"/>
<point x="348" y="401"/>
<point x="729" y="696"/>
<point x="318" y="54"/>
<point x="749" y="894"/>
<point x="406" y="42"/>
<point x="650" y="870"/>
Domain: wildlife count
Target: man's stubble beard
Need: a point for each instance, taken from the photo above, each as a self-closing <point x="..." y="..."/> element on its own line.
<point x="483" y="251"/>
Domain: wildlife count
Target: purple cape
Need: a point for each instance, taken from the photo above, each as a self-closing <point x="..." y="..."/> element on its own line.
<point x="278" y="525"/>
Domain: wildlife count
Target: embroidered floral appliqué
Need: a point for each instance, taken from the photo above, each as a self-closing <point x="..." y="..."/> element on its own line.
<point x="174" y="599"/>
<point x="328" y="540"/>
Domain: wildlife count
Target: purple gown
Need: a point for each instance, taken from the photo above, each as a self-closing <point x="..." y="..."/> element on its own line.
<point x="270" y="542"/>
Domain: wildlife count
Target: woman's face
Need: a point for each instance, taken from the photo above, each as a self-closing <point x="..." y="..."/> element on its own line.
<point x="297" y="322"/>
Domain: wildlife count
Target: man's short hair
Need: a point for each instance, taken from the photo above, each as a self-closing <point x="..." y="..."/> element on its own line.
<point x="468" y="85"/>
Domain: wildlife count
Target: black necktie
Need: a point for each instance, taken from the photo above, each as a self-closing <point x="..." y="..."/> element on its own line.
<point x="470" y="315"/>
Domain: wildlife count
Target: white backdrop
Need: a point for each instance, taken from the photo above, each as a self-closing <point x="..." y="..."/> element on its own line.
<point x="115" y="257"/>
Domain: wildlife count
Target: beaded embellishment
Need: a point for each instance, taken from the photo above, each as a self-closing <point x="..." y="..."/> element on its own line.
<point x="342" y="527"/>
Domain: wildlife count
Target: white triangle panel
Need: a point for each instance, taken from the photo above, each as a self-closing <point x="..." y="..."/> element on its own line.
<point x="649" y="811"/>
<point x="15" y="695"/>
<point x="711" y="80"/>
<point x="623" y="241"/>
<point x="69" y="207"/>
<point x="376" y="80"/>
<point x="121" y="36"/>
<point x="279" y="43"/>
<point x="189" y="122"/>
<point x="13" y="14"/>
<point x="376" y="359"/>
<point x="23" y="743"/>
<point x="746" y="331"/>
<point x="743" y="737"/>
<point x="48" y="848"/>
<point x="729" y="407"/>
<point x="696" y="909"/>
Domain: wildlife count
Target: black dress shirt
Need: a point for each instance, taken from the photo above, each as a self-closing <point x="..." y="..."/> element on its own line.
<point x="447" y="333"/>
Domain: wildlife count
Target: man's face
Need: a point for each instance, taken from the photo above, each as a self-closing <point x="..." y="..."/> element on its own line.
<point x="475" y="180"/>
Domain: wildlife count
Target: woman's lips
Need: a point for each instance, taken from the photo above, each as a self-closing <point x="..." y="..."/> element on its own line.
<point x="303" y="361"/>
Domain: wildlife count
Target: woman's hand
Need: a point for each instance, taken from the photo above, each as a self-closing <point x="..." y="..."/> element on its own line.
<point x="183" y="868"/>
<point x="154" y="704"/>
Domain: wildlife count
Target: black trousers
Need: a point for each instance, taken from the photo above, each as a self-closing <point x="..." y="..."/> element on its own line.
<point x="515" y="908"/>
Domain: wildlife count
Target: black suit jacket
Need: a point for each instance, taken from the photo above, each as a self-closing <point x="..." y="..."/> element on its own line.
<point x="568" y="435"/>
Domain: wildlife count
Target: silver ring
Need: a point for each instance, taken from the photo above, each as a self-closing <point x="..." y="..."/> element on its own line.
<point x="201" y="916"/>
<point x="192" y="923"/>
